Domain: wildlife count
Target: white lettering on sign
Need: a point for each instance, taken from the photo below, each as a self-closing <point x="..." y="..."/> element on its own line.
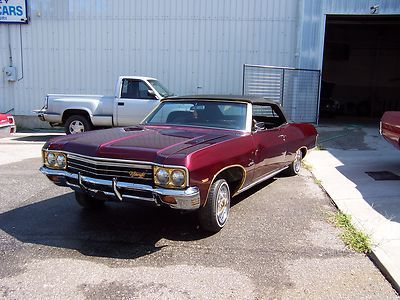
<point x="13" y="11"/>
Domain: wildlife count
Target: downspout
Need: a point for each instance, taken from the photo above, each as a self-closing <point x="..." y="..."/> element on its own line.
<point x="9" y="45"/>
<point x="21" y="52"/>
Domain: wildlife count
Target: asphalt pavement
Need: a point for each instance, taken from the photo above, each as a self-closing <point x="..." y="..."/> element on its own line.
<point x="278" y="244"/>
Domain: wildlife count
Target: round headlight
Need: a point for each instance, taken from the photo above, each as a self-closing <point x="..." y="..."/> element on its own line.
<point x="178" y="177"/>
<point x="61" y="161"/>
<point x="162" y="176"/>
<point x="51" y="159"/>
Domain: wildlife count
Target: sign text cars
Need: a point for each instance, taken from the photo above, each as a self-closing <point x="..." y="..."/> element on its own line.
<point x="13" y="11"/>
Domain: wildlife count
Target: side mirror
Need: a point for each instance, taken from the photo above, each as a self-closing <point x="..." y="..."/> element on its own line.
<point x="152" y="94"/>
<point x="259" y="126"/>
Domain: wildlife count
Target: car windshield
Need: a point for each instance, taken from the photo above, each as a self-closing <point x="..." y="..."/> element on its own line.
<point x="203" y="113"/>
<point x="160" y="88"/>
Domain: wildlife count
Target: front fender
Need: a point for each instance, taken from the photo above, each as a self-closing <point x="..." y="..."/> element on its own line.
<point x="206" y="164"/>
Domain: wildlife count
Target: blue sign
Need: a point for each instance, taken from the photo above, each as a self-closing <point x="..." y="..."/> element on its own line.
<point x="13" y="11"/>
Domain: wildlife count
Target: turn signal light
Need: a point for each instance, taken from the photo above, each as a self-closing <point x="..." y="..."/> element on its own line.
<point x="168" y="199"/>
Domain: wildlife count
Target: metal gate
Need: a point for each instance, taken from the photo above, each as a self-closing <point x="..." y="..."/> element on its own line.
<point x="297" y="90"/>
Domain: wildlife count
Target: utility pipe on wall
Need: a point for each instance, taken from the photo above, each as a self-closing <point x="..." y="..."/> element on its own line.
<point x="9" y="45"/>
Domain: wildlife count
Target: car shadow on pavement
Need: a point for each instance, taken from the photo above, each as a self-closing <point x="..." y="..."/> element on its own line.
<point x="37" y="138"/>
<point x="119" y="230"/>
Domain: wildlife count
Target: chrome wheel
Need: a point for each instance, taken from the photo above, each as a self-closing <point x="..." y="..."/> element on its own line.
<point x="214" y="214"/>
<point x="76" y="127"/>
<point x="223" y="203"/>
<point x="297" y="161"/>
<point x="295" y="166"/>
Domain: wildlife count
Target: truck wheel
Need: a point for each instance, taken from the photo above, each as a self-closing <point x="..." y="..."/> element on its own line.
<point x="295" y="166"/>
<point x="77" y="124"/>
<point x="214" y="214"/>
<point x="87" y="201"/>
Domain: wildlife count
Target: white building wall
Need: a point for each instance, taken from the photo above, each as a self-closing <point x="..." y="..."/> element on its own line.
<point x="192" y="46"/>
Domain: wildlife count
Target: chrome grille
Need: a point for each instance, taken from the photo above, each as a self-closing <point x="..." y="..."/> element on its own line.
<point x="104" y="168"/>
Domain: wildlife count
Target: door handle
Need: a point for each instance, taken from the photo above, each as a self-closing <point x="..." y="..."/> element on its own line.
<point x="282" y="136"/>
<point x="121" y="103"/>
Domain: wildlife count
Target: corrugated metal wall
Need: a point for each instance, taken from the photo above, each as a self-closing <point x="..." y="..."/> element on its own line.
<point x="81" y="46"/>
<point x="312" y="31"/>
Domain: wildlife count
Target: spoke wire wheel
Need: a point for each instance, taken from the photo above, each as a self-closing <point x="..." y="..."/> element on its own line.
<point x="214" y="214"/>
<point x="222" y="203"/>
<point x="76" y="127"/>
<point x="297" y="161"/>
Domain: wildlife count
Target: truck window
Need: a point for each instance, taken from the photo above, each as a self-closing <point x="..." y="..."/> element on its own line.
<point x="143" y="88"/>
<point x="160" y="88"/>
<point x="134" y="89"/>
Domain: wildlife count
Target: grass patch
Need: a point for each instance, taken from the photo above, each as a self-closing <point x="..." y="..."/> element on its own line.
<point x="353" y="238"/>
<point x="306" y="165"/>
<point x="317" y="181"/>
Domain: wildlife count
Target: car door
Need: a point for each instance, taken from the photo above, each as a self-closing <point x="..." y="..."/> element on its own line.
<point x="269" y="140"/>
<point x="134" y="102"/>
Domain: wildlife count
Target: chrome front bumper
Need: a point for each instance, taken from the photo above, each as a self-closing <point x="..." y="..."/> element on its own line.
<point x="7" y="130"/>
<point x="187" y="199"/>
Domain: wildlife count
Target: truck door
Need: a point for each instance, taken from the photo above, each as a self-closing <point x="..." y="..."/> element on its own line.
<point x="134" y="102"/>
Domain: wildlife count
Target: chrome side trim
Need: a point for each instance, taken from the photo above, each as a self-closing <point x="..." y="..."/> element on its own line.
<point x="260" y="180"/>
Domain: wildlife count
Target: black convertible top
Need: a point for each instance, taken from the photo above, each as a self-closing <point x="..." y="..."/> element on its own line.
<point x="240" y="98"/>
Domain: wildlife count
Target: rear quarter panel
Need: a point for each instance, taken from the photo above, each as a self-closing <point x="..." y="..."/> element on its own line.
<point x="299" y="135"/>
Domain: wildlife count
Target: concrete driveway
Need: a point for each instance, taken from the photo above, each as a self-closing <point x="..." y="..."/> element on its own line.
<point x="277" y="244"/>
<point x="361" y="173"/>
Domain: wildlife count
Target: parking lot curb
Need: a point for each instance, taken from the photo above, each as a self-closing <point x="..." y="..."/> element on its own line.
<point x="386" y="267"/>
<point x="377" y="255"/>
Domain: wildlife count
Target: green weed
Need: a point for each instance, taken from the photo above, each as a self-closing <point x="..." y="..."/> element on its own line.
<point x="353" y="238"/>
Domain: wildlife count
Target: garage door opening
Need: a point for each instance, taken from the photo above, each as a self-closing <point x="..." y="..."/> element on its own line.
<point x="361" y="66"/>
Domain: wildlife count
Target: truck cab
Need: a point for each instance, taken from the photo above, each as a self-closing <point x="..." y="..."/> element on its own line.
<point x="134" y="96"/>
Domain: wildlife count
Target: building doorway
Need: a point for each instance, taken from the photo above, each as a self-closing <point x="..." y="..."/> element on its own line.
<point x="361" y="66"/>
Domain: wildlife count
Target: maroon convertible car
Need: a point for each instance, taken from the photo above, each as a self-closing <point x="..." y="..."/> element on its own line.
<point x="190" y="153"/>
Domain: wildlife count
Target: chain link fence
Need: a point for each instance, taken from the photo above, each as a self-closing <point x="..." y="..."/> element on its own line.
<point x="297" y="90"/>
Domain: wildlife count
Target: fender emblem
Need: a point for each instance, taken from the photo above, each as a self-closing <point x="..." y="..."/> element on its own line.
<point x="137" y="174"/>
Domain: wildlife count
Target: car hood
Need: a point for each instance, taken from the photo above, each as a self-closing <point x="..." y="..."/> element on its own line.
<point x="141" y="143"/>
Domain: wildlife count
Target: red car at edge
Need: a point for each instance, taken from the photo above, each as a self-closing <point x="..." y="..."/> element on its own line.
<point x="390" y="127"/>
<point x="7" y="125"/>
<point x="190" y="153"/>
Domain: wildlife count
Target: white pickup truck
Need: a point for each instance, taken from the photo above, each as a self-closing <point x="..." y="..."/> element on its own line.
<point x="134" y="98"/>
